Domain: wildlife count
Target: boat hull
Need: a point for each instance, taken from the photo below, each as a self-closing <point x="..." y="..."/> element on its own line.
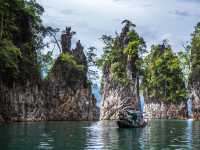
<point x="127" y="124"/>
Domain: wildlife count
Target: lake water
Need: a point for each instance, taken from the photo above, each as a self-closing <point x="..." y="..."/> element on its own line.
<point x="159" y="134"/>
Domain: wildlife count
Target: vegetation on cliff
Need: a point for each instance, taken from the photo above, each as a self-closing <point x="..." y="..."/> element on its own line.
<point x="195" y="55"/>
<point x="21" y="40"/>
<point x="162" y="73"/>
<point x="163" y="79"/>
<point x="22" y="36"/>
<point x="122" y="51"/>
<point x="71" y="60"/>
<point x="24" y="95"/>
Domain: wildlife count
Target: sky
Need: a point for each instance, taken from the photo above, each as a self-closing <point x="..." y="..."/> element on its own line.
<point x="155" y="19"/>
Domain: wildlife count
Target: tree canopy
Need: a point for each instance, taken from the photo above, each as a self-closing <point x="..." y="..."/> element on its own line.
<point x="21" y="39"/>
<point x="163" y="79"/>
<point x="195" y="55"/>
<point x="121" y="50"/>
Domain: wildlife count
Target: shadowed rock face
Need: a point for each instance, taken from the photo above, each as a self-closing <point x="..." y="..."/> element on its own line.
<point x="54" y="99"/>
<point x="50" y="102"/>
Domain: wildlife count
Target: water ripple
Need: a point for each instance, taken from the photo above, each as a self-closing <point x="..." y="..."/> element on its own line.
<point x="102" y="135"/>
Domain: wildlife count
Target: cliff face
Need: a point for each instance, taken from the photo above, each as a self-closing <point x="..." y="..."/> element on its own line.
<point x="64" y="96"/>
<point x="115" y="99"/>
<point x="195" y="96"/>
<point x="117" y="96"/>
<point x="160" y="110"/>
<point x="165" y="92"/>
<point x="20" y="103"/>
<point x="157" y="109"/>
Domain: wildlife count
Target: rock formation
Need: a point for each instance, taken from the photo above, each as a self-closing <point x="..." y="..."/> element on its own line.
<point x="161" y="110"/>
<point x="64" y="96"/>
<point x="116" y="96"/>
<point x="163" y="84"/>
<point x="157" y="109"/>
<point x="194" y="76"/>
<point x="66" y="39"/>
<point x="195" y="96"/>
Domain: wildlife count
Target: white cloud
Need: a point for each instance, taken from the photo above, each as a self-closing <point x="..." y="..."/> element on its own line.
<point x="155" y="19"/>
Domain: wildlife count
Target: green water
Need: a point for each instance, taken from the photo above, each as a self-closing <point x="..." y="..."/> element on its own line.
<point x="160" y="134"/>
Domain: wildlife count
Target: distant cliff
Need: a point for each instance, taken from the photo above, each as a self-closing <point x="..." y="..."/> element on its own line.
<point x="64" y="95"/>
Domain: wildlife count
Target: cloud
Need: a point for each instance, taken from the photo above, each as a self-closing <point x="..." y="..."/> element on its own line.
<point x="189" y="1"/>
<point x="69" y="12"/>
<point x="166" y="36"/>
<point x="184" y="13"/>
<point x="147" y="5"/>
<point x="148" y="32"/>
<point x="93" y="18"/>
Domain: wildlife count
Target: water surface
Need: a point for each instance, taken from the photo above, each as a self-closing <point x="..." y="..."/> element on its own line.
<point x="160" y="134"/>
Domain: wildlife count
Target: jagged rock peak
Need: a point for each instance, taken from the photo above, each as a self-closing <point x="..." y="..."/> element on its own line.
<point x="66" y="38"/>
<point x="116" y="95"/>
<point x="79" y="53"/>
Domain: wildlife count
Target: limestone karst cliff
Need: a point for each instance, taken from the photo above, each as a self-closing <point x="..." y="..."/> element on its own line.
<point x="194" y="79"/>
<point x="125" y="71"/>
<point x="165" y="93"/>
<point x="65" y="95"/>
<point x="161" y="110"/>
<point x="120" y="79"/>
<point x="195" y="97"/>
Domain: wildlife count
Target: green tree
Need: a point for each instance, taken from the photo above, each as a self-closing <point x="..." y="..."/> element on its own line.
<point x="185" y="63"/>
<point x="195" y="55"/>
<point x="163" y="78"/>
<point x="123" y="55"/>
<point x="22" y="29"/>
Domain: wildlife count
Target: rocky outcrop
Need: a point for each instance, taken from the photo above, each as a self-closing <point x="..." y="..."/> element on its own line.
<point x="115" y="96"/>
<point x="64" y="96"/>
<point x="157" y="109"/>
<point x="66" y="38"/>
<point x="161" y="110"/>
<point x="115" y="99"/>
<point x="195" y="97"/>
<point x="22" y="103"/>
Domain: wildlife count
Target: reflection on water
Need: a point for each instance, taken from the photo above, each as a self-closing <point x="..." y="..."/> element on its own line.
<point x="160" y="134"/>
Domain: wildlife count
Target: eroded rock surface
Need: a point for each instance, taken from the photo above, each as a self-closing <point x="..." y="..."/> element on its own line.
<point x="115" y="99"/>
<point x="195" y="96"/>
<point x="64" y="96"/>
<point x="115" y="96"/>
<point x="160" y="110"/>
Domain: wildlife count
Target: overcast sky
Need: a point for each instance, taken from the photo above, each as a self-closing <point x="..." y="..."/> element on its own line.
<point x="155" y="19"/>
